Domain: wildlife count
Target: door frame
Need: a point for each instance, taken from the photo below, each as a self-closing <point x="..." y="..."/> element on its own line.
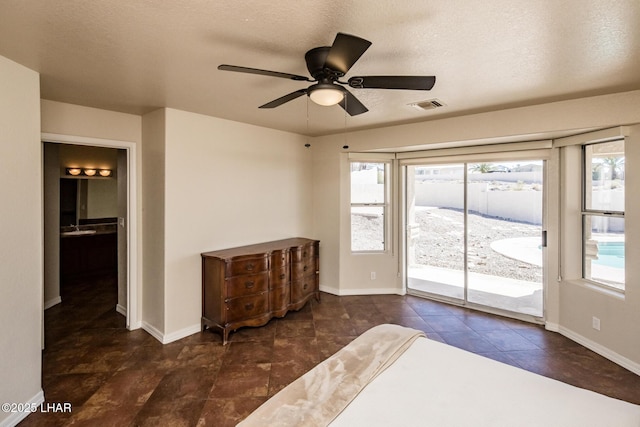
<point x="133" y="320"/>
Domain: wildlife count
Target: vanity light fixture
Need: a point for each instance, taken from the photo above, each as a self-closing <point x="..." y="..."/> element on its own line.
<point x="90" y="172"/>
<point x="74" y="171"/>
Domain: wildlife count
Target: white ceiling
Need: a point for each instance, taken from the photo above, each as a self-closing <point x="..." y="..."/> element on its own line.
<point x="138" y="55"/>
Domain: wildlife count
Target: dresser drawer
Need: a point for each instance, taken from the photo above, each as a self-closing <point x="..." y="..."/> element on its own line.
<point x="247" y="265"/>
<point x="304" y="253"/>
<point x="302" y="269"/>
<point x="247" y="307"/>
<point x="246" y="285"/>
<point x="279" y="258"/>
<point x="279" y="299"/>
<point x="279" y="276"/>
<point x="302" y="288"/>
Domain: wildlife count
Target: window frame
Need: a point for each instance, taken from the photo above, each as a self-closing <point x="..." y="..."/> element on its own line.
<point x="587" y="213"/>
<point x="385" y="205"/>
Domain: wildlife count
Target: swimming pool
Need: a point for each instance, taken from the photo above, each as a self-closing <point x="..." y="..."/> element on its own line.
<point x="610" y="254"/>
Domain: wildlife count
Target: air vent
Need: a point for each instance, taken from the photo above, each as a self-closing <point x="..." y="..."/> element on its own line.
<point x="430" y="104"/>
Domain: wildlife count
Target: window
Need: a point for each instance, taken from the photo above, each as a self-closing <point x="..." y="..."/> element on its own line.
<point x="603" y="242"/>
<point x="369" y="206"/>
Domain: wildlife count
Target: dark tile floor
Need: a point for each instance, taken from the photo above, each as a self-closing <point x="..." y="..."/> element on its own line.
<point x="116" y="377"/>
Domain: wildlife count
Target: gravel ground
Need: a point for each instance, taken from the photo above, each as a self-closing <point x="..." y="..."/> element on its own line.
<point x="440" y="243"/>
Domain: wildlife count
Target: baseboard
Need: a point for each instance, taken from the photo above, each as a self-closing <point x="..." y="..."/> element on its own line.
<point x="369" y="291"/>
<point x="135" y="325"/>
<point x="153" y="331"/>
<point x="53" y="301"/>
<point x="174" y="336"/>
<point x="600" y="349"/>
<point x="15" y="417"/>
<point x="182" y="333"/>
<point x="121" y="309"/>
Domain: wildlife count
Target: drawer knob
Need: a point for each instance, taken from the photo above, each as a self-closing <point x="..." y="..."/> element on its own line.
<point x="250" y="267"/>
<point x="304" y="268"/>
<point x="305" y="287"/>
<point x="248" y="307"/>
<point x="282" y="276"/>
<point x="249" y="284"/>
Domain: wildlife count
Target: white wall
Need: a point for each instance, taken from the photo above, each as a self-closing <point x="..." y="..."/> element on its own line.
<point x="21" y="251"/>
<point x="226" y="184"/>
<point x="525" y="205"/>
<point x="568" y="306"/>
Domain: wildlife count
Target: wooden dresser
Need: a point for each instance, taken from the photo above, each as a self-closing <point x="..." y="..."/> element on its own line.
<point x="249" y="285"/>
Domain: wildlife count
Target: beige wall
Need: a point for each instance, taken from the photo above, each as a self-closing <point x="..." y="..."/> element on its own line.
<point x="21" y="251"/>
<point x="153" y="229"/>
<point x="51" y="222"/>
<point x="569" y="306"/>
<point x="102" y="198"/>
<point x="77" y="120"/>
<point x="226" y="184"/>
<point x="326" y="208"/>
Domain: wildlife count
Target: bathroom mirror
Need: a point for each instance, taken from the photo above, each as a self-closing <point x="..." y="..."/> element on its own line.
<point x="87" y="200"/>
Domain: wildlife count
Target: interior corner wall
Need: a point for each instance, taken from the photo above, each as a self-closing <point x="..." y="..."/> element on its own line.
<point x="153" y="222"/>
<point x="227" y="184"/>
<point x="21" y="226"/>
<point x="326" y="208"/>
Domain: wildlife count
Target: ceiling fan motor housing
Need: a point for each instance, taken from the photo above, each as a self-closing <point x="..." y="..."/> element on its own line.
<point x="316" y="59"/>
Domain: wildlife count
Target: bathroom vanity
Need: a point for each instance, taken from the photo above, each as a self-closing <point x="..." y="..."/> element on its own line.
<point x="88" y="251"/>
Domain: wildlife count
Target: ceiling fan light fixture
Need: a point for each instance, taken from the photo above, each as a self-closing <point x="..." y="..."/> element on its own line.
<point x="326" y="94"/>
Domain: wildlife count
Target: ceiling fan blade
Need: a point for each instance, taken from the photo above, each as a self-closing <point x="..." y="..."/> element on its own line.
<point x="351" y="104"/>
<point x="393" y="82"/>
<point x="345" y="51"/>
<point x="225" y="67"/>
<point x="289" y="97"/>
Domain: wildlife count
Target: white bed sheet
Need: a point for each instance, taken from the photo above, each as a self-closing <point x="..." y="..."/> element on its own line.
<point x="433" y="384"/>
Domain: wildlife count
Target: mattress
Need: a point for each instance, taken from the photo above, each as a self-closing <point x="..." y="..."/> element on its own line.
<point x="394" y="376"/>
<point x="434" y="384"/>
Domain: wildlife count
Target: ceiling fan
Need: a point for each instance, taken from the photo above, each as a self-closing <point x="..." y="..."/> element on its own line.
<point x="327" y="64"/>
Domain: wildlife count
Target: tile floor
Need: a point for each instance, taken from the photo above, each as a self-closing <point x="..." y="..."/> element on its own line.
<point x="115" y="377"/>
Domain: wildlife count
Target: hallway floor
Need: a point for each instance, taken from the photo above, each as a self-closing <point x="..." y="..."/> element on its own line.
<point x="115" y="377"/>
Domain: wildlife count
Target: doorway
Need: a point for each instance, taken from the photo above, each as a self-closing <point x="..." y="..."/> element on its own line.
<point x="475" y="234"/>
<point x="125" y="221"/>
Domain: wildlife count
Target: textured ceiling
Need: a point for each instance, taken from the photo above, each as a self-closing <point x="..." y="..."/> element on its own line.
<point x="136" y="56"/>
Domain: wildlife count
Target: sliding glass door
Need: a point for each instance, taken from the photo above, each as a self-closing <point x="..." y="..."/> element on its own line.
<point x="436" y="230"/>
<point x="474" y="233"/>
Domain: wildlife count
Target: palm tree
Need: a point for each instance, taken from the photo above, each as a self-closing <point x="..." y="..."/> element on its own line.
<point x="613" y="164"/>
<point x="481" y="167"/>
